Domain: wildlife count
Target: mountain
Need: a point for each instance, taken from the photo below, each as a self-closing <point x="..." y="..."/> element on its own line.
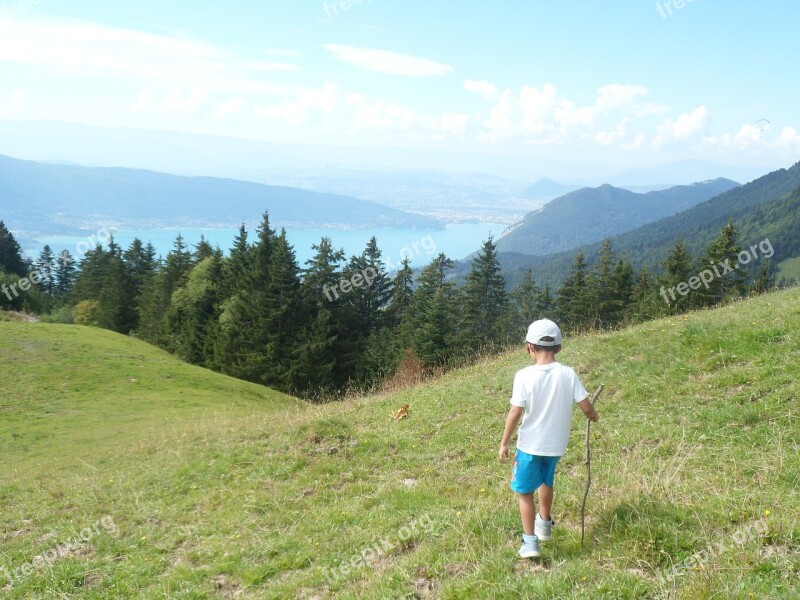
<point x="683" y="172"/>
<point x="547" y="187"/>
<point x="592" y="214"/>
<point x="209" y="487"/>
<point x="48" y="198"/>
<point x="766" y="207"/>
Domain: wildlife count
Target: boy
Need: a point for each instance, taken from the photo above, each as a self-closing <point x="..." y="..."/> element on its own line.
<point x="543" y="395"/>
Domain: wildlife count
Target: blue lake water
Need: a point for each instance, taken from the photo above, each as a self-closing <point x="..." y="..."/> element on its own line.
<point x="420" y="245"/>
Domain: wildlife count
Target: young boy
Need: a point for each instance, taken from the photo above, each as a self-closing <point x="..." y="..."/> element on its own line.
<point x="543" y="395"/>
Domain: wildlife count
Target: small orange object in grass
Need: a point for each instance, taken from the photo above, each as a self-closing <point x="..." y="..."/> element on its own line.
<point x="402" y="413"/>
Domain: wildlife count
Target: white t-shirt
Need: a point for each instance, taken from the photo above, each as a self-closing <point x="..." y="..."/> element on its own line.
<point x="547" y="393"/>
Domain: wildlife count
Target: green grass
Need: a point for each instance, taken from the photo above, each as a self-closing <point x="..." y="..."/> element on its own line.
<point x="789" y="269"/>
<point x="220" y="488"/>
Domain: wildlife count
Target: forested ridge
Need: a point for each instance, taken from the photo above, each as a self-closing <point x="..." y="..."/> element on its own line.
<point x="336" y="323"/>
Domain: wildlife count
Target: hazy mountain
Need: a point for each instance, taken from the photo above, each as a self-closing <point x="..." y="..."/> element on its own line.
<point x="592" y="214"/>
<point x="546" y="187"/>
<point x="766" y="207"/>
<point x="46" y="198"/>
<point x="683" y="172"/>
<point x="253" y="160"/>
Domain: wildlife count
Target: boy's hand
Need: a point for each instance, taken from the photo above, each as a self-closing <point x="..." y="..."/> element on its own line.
<point x="594" y="418"/>
<point x="503" y="454"/>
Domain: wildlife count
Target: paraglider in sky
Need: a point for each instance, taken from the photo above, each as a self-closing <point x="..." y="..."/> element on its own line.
<point x="762" y="124"/>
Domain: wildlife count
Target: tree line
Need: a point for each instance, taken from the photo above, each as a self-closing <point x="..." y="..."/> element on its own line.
<point x="339" y="323"/>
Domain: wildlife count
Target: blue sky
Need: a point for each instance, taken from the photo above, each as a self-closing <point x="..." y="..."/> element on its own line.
<point x="631" y="82"/>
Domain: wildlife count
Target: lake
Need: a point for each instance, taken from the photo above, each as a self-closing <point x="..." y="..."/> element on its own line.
<point x="420" y="245"/>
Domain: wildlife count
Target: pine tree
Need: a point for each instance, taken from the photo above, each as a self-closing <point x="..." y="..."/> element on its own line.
<point x="764" y="280"/>
<point x="722" y="259"/>
<point x="46" y="265"/>
<point x="523" y="307"/>
<point x="603" y="302"/>
<point x="484" y="298"/>
<point x="678" y="269"/>
<point x="11" y="261"/>
<point x="373" y="294"/>
<point x="117" y="293"/>
<point x="402" y="295"/>
<point x="434" y="315"/>
<point x="573" y="300"/>
<point x="193" y="309"/>
<point x="646" y="302"/>
<point x="141" y="263"/>
<point x="65" y="274"/>
<point x="331" y="323"/>
<point x="282" y="323"/>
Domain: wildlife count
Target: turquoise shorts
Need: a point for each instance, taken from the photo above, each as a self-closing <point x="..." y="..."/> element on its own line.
<point x="532" y="471"/>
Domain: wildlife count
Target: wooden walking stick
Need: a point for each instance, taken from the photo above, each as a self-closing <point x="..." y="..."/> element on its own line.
<point x="588" y="467"/>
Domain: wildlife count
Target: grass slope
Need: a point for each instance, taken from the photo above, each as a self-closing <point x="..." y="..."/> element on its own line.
<point x="229" y="493"/>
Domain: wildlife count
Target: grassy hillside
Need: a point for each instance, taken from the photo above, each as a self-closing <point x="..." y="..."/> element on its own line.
<point x="212" y="488"/>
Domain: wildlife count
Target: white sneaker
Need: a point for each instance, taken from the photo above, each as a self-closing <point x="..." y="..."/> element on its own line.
<point x="529" y="548"/>
<point x="543" y="529"/>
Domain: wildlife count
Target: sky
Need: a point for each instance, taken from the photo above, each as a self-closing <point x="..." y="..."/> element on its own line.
<point x="629" y="82"/>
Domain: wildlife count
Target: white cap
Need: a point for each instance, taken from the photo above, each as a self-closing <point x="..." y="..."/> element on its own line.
<point x="544" y="328"/>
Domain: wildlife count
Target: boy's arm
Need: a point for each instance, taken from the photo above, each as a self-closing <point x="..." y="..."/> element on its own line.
<point x="588" y="409"/>
<point x="511" y="425"/>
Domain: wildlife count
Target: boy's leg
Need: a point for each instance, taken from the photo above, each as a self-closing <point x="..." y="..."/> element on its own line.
<point x="527" y="511"/>
<point x="545" y="501"/>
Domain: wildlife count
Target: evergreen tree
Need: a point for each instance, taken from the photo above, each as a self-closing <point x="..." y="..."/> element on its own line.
<point x="523" y="307"/>
<point x="11" y="261"/>
<point x="116" y="293"/>
<point x="194" y="308"/>
<point x="722" y="259"/>
<point x="764" y="280"/>
<point x="402" y="296"/>
<point x="141" y="263"/>
<point x="678" y="269"/>
<point x="573" y="300"/>
<point x="646" y="302"/>
<point x="373" y="294"/>
<point x="434" y="315"/>
<point x="331" y="332"/>
<point x="604" y="305"/>
<point x="484" y="298"/>
<point x="282" y="323"/>
<point x="46" y="266"/>
<point x="65" y="274"/>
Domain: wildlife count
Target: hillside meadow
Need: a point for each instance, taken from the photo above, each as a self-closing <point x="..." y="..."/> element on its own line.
<point x="129" y="474"/>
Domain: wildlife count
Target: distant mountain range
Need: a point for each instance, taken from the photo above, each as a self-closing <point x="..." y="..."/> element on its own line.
<point x="40" y="198"/>
<point x="768" y="207"/>
<point x="592" y="214"/>
<point x="263" y="162"/>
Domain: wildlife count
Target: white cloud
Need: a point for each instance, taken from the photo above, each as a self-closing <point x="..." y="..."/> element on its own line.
<point x="687" y="127"/>
<point x="386" y="61"/>
<point x="482" y="88"/>
<point x="789" y="141"/>
<point x="542" y="115"/>
<point x="262" y="65"/>
<point x="455" y="124"/>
